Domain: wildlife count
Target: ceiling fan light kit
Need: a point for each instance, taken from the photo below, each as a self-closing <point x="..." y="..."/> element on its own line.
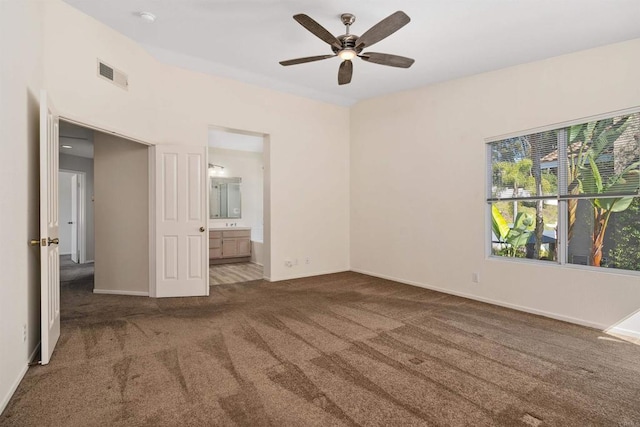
<point x="349" y="46"/>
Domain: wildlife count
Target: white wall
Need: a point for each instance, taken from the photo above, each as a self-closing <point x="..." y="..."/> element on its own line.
<point x="83" y="164"/>
<point x="20" y="83"/>
<point x="64" y="212"/>
<point x="418" y="182"/>
<point x="121" y="216"/>
<point x="247" y="165"/>
<point x="165" y="104"/>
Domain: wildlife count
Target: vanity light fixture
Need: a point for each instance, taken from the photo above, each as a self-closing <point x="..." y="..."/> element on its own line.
<point x="214" y="171"/>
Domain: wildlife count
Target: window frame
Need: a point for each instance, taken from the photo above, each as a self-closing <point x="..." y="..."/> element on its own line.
<point x="562" y="233"/>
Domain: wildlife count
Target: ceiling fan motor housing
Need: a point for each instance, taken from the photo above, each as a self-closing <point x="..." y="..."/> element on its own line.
<point x="348" y="41"/>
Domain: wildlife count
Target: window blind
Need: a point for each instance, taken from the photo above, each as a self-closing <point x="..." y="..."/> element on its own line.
<point x="602" y="158"/>
<point x="524" y="167"/>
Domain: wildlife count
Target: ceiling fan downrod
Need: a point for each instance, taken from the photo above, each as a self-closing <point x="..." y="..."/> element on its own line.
<point x="347" y="20"/>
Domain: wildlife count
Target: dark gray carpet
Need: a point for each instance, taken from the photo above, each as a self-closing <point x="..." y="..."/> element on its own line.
<point x="73" y="272"/>
<point x="342" y="349"/>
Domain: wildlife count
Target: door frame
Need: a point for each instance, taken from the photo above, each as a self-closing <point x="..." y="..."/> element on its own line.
<point x="266" y="191"/>
<point x="82" y="213"/>
<point x="151" y="193"/>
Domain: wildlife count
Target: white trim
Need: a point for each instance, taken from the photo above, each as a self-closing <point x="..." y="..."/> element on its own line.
<point x="82" y="217"/>
<point x="89" y="261"/>
<point x="119" y="292"/>
<point x="541" y="263"/>
<point x="623" y="331"/>
<point x="207" y="213"/>
<point x="565" y="124"/>
<point x="82" y="214"/>
<point x="86" y="124"/>
<point x="575" y="320"/>
<point x="152" y="221"/>
<point x="35" y="351"/>
<point x="14" y="387"/>
<point x="304" y="275"/>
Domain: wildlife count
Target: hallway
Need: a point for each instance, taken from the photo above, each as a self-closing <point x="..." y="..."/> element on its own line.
<point x="76" y="280"/>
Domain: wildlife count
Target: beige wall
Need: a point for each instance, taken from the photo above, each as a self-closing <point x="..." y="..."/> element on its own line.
<point x="418" y="182"/>
<point x="20" y="84"/>
<point x="121" y="172"/>
<point x="248" y="166"/>
<point x="309" y="140"/>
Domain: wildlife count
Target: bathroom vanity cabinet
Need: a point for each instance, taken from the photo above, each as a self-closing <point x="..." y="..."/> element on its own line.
<point x="229" y="245"/>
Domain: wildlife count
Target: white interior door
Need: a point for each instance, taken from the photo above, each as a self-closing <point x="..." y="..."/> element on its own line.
<point x="75" y="189"/>
<point x="181" y="232"/>
<point x="49" y="228"/>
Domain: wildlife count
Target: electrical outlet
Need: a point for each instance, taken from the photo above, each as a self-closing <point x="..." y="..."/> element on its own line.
<point x="307" y="260"/>
<point x="475" y="277"/>
<point x="24" y="332"/>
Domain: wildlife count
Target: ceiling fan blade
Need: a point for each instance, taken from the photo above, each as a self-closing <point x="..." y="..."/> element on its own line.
<point x="387" y="59"/>
<point x="382" y="29"/>
<point x="345" y="72"/>
<point x="306" y="59"/>
<point x="317" y="30"/>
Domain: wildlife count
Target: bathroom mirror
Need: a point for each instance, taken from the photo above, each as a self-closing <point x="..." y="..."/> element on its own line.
<point x="224" y="198"/>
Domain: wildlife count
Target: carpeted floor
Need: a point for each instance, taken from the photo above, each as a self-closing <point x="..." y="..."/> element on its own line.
<point x="71" y="271"/>
<point x="341" y="349"/>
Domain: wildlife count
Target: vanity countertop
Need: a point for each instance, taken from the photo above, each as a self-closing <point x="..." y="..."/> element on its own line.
<point x="228" y="228"/>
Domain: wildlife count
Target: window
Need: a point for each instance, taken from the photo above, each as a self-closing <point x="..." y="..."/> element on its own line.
<point x="577" y="184"/>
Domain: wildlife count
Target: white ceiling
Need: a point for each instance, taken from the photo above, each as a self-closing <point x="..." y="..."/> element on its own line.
<point x="245" y="39"/>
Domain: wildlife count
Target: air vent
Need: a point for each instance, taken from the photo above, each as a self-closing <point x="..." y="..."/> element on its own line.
<point x="113" y="75"/>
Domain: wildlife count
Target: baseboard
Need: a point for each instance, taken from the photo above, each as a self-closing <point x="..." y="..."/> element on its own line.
<point x="118" y="292"/>
<point x="316" y="273"/>
<point x="35" y="351"/>
<point x="531" y="310"/>
<point x="88" y="261"/>
<point x="14" y="387"/>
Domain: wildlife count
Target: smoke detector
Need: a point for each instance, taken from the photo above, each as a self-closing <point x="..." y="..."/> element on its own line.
<point x="147" y="17"/>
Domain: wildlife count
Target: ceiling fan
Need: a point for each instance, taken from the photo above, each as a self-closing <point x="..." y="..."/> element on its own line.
<point x="348" y="46"/>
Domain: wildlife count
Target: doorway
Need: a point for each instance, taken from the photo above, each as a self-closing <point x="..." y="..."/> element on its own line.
<point x="103" y="210"/>
<point x="238" y="174"/>
<point x="72" y="189"/>
<point x="76" y="212"/>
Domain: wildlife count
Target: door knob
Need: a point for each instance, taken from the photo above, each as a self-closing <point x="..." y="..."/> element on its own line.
<point x="51" y="241"/>
<point x="202" y="229"/>
<point x="34" y="242"/>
